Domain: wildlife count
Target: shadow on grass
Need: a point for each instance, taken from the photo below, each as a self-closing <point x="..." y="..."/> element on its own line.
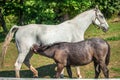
<point x="43" y="71"/>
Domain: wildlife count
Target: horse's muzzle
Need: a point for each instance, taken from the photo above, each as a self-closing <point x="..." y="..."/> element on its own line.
<point x="104" y="29"/>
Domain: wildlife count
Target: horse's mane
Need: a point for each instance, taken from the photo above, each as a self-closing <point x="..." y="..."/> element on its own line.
<point x="83" y="14"/>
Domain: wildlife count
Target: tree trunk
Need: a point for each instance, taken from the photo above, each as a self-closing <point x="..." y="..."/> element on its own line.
<point x="21" y="14"/>
<point x="2" y="21"/>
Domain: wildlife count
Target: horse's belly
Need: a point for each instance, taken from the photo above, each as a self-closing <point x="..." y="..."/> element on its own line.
<point x="51" y="39"/>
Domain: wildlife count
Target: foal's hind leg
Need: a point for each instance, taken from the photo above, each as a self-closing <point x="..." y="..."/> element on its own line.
<point x="97" y="69"/>
<point x="27" y="63"/>
<point x="104" y="69"/>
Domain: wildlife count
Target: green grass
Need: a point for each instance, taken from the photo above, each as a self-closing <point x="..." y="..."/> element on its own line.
<point x="46" y="66"/>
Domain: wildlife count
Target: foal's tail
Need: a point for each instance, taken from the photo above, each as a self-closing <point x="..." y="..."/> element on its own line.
<point x="108" y="55"/>
<point x="6" y="43"/>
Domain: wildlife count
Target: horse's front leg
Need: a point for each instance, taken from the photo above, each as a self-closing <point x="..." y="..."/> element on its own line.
<point x="59" y="70"/>
<point x="35" y="72"/>
<point x="78" y="72"/>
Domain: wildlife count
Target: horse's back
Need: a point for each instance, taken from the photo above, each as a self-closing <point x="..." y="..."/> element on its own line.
<point x="41" y="33"/>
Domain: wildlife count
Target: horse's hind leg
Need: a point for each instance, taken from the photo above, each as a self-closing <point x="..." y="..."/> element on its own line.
<point x="69" y="71"/>
<point x="19" y="62"/>
<point x="97" y="69"/>
<point x="104" y="69"/>
<point x="27" y="63"/>
<point x="78" y="72"/>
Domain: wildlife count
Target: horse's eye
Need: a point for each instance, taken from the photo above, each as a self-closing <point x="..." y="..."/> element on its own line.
<point x="101" y="16"/>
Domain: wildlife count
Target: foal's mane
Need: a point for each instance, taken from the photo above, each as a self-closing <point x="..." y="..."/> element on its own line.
<point x="51" y="45"/>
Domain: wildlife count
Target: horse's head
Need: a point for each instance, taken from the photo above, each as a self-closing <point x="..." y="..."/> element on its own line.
<point x="99" y="20"/>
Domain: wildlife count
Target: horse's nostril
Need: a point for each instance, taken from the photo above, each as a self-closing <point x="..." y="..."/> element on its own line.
<point x="105" y="29"/>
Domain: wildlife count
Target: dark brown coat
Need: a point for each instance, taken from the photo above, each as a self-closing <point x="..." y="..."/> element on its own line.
<point x="78" y="54"/>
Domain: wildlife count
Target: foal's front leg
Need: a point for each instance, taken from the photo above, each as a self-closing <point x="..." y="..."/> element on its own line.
<point x="59" y="70"/>
<point x="62" y="74"/>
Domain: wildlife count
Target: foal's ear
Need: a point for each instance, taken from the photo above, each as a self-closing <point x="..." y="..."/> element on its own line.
<point x="96" y="8"/>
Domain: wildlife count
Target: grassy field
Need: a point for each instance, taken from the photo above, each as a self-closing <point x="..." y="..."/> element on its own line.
<point x="46" y="66"/>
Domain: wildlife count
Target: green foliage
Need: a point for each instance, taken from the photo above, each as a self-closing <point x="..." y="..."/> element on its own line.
<point x="108" y="7"/>
<point x="52" y="11"/>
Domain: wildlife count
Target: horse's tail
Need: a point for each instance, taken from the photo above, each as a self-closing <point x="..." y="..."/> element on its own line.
<point x="108" y="55"/>
<point x="6" y="43"/>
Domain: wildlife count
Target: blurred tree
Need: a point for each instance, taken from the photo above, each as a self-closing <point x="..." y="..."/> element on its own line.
<point x="23" y="12"/>
<point x="2" y="20"/>
<point x="21" y="21"/>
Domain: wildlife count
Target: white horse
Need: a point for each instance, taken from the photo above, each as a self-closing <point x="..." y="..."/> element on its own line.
<point x="69" y="31"/>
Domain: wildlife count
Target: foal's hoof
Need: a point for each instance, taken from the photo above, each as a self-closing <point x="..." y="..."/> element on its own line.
<point x="61" y="76"/>
<point x="35" y="76"/>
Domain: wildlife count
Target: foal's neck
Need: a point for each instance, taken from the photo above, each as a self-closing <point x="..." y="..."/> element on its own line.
<point x="48" y="52"/>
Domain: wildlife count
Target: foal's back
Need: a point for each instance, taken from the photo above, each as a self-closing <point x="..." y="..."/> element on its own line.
<point x="82" y="53"/>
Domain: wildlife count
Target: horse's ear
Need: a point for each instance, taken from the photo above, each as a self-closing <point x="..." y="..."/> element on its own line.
<point x="96" y="8"/>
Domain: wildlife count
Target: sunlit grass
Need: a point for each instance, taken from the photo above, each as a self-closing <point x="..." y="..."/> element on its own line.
<point x="46" y="66"/>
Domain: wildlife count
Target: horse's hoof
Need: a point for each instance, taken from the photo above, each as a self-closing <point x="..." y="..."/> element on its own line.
<point x="61" y="76"/>
<point x="35" y="76"/>
<point x="79" y="76"/>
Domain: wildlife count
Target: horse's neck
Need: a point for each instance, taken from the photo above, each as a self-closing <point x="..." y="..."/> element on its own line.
<point x="84" y="20"/>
